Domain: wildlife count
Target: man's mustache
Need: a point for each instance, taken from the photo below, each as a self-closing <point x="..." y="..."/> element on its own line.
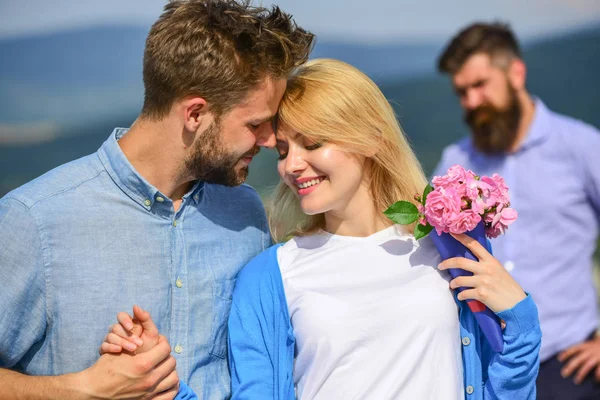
<point x="252" y="152"/>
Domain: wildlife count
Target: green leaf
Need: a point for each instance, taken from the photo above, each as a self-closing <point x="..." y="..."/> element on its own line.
<point x="422" y="230"/>
<point x="428" y="189"/>
<point x="402" y="212"/>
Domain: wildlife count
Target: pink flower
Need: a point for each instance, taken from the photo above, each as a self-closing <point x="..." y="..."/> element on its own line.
<point x="494" y="231"/>
<point x="466" y="221"/>
<point x="460" y="200"/>
<point x="489" y="191"/>
<point x="442" y="208"/>
<point x="478" y="206"/>
<point x="471" y="186"/>
<point x="488" y="217"/>
<point x="453" y="177"/>
<point x="501" y="189"/>
<point x="503" y="218"/>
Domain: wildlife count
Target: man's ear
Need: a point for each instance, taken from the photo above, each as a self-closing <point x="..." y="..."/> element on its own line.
<point x="517" y="74"/>
<point x="194" y="110"/>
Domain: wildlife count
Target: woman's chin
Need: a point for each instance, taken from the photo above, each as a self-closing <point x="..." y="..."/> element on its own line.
<point x="311" y="210"/>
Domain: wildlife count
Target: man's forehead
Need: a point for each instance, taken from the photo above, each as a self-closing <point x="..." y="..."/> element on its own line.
<point x="266" y="90"/>
<point x="477" y="67"/>
<point x="264" y="98"/>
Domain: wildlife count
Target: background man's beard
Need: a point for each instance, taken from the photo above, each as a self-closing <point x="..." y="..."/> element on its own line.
<point x="211" y="163"/>
<point x="495" y="130"/>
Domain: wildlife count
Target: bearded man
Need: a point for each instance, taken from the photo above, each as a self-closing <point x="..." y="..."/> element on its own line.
<point x="551" y="164"/>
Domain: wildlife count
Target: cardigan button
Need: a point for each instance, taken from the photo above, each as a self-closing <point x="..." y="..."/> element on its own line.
<point x="466" y="341"/>
<point x="470" y="389"/>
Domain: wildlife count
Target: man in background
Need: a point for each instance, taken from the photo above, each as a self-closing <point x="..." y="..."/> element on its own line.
<point x="551" y="164"/>
<point x="157" y="217"/>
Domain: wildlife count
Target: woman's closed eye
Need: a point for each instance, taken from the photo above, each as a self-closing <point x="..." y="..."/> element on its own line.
<point x="310" y="147"/>
<point x="313" y="146"/>
<point x="282" y="154"/>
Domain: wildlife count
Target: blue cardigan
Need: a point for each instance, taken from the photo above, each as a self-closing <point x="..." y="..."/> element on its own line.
<point x="261" y="342"/>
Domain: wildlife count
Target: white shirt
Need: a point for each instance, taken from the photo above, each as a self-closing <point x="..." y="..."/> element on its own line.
<point x="373" y="318"/>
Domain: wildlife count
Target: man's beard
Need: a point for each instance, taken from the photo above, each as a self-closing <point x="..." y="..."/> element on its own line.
<point x="211" y="163"/>
<point x="495" y="130"/>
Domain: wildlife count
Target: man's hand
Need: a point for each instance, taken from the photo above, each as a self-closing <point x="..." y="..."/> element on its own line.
<point x="135" y="335"/>
<point x="581" y="359"/>
<point x="134" y="376"/>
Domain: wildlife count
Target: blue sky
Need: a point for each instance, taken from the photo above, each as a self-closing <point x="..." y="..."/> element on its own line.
<point x="351" y="20"/>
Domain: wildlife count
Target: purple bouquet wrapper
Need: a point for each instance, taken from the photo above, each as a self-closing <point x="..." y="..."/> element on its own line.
<point x="448" y="247"/>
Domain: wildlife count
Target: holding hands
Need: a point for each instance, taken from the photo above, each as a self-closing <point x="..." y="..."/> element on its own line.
<point x="134" y="335"/>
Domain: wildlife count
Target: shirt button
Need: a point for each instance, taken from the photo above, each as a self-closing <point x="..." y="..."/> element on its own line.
<point x="147" y="202"/>
<point x="178" y="283"/>
<point x="175" y="223"/>
<point x="196" y="198"/>
<point x="159" y="199"/>
<point x="509" y="266"/>
<point x="470" y="389"/>
<point x="179" y="349"/>
<point x="466" y="341"/>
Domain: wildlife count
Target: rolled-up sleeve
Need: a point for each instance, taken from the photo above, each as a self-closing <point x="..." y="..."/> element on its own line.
<point x="22" y="280"/>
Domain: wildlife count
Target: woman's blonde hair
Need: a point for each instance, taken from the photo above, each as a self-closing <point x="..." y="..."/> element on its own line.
<point x="330" y="101"/>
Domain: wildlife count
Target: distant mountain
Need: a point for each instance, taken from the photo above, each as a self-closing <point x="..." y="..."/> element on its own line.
<point x="68" y="77"/>
<point x="383" y="61"/>
<point x="69" y="114"/>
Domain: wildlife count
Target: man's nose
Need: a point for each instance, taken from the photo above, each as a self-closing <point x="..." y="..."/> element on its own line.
<point x="471" y="99"/>
<point x="265" y="137"/>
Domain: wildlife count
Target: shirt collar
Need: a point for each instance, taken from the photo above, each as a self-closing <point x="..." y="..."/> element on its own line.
<point x="539" y="128"/>
<point x="129" y="180"/>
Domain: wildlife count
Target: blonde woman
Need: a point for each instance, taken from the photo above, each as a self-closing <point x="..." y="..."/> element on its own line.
<point x="348" y="305"/>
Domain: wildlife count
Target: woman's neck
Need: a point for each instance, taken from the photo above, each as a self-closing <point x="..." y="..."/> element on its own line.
<point x="359" y="218"/>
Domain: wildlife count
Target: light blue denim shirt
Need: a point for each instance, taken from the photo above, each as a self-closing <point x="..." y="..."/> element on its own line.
<point x="554" y="184"/>
<point x="92" y="238"/>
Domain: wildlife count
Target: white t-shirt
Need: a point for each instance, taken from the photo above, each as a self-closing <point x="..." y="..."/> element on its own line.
<point x="373" y="318"/>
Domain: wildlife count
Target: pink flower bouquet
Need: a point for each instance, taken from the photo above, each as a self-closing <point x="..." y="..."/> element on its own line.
<point x="457" y="202"/>
<point x="461" y="202"/>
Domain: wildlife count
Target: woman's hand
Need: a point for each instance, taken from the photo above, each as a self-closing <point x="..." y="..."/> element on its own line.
<point x="135" y="335"/>
<point x="491" y="284"/>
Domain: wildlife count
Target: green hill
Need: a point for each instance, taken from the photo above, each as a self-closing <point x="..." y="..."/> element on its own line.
<point x="563" y="71"/>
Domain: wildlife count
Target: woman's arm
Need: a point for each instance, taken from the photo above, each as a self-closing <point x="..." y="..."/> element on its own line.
<point x="254" y="323"/>
<point x="512" y="373"/>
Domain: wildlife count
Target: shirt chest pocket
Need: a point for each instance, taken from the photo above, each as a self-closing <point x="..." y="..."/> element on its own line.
<point x="222" y="293"/>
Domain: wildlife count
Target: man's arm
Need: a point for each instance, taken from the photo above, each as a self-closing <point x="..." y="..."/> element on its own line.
<point x="23" y="324"/>
<point x="141" y="376"/>
<point x="14" y="385"/>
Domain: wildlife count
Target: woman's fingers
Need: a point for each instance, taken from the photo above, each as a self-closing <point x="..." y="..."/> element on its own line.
<point x="119" y="341"/>
<point x="473" y="245"/>
<point x="462" y="263"/>
<point x="118" y="330"/>
<point x="106" y="347"/>
<point x="125" y="320"/>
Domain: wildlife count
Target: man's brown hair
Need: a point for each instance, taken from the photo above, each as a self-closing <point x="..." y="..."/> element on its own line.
<point x="496" y="40"/>
<point x="219" y="50"/>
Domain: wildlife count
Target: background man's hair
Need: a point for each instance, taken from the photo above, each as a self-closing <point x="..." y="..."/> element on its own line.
<point x="219" y="50"/>
<point x="495" y="39"/>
